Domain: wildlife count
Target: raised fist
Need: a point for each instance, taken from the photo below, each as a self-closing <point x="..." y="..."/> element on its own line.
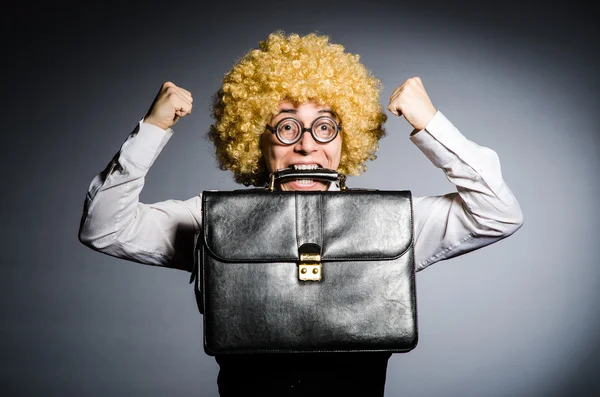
<point x="411" y="101"/>
<point x="171" y="103"/>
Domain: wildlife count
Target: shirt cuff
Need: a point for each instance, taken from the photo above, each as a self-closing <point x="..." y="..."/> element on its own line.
<point x="145" y="144"/>
<point x="439" y="140"/>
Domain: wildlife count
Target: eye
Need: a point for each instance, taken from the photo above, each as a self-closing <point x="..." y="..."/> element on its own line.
<point x="325" y="128"/>
<point x="288" y="129"/>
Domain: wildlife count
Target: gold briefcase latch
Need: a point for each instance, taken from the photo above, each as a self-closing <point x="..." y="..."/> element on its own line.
<point x="309" y="268"/>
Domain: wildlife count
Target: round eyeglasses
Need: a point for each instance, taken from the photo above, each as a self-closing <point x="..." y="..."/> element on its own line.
<point x="289" y="130"/>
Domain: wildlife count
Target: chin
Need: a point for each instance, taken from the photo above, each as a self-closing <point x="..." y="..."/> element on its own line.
<point x="303" y="184"/>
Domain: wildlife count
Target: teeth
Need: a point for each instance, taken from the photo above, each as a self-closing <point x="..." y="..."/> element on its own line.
<point x="304" y="181"/>
<point x="305" y="166"/>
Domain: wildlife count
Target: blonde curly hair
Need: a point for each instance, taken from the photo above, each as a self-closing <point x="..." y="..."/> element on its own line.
<point x="299" y="69"/>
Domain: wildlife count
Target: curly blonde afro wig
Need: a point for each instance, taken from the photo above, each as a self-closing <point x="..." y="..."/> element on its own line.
<point x="299" y="69"/>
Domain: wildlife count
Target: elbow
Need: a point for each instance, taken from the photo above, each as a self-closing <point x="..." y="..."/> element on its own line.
<point x="90" y="237"/>
<point x="86" y="237"/>
<point x="515" y="221"/>
<point x="504" y="224"/>
<point x="83" y="239"/>
<point x="514" y="218"/>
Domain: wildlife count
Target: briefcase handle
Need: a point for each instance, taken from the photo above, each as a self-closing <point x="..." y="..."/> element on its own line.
<point x="321" y="174"/>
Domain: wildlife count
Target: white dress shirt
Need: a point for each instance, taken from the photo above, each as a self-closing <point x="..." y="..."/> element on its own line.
<point x="482" y="211"/>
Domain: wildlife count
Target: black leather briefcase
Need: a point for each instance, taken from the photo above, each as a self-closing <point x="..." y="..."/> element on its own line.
<point x="302" y="272"/>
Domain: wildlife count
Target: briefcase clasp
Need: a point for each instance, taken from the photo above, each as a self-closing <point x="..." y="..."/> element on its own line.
<point x="309" y="268"/>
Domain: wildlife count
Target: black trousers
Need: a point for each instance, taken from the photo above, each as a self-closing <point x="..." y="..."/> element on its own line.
<point x="289" y="375"/>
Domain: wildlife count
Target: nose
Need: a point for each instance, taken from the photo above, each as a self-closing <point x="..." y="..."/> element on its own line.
<point x="306" y="144"/>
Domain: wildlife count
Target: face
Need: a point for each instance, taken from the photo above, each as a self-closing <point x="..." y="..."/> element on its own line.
<point x="306" y="152"/>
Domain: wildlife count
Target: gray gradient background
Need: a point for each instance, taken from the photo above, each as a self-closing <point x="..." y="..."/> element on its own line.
<point x="518" y="318"/>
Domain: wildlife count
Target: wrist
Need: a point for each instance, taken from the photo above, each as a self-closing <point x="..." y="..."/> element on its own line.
<point x="150" y="120"/>
<point x="425" y="119"/>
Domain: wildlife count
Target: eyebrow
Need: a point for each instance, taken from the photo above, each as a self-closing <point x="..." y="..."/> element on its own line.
<point x="295" y="111"/>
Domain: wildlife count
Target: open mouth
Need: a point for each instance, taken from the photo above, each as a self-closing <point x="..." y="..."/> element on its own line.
<point x="306" y="166"/>
<point x="304" y="182"/>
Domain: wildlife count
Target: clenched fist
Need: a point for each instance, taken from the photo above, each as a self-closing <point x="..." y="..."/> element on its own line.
<point x="411" y="101"/>
<point x="171" y="103"/>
